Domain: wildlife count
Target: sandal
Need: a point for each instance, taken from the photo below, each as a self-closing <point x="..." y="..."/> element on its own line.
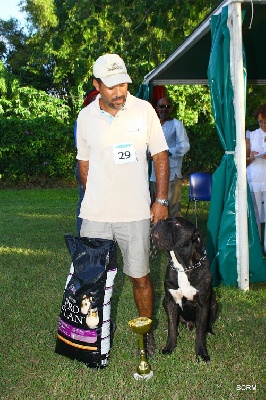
<point x="149" y="344"/>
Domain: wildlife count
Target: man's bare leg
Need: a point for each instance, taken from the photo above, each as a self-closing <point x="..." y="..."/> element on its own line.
<point x="143" y="295"/>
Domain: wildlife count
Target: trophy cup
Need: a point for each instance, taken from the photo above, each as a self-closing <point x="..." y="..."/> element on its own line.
<point x="142" y="325"/>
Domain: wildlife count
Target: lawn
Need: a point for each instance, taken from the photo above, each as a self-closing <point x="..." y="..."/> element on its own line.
<point x="34" y="265"/>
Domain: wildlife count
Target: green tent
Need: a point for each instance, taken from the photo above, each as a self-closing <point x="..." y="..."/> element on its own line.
<point x="222" y="230"/>
<point x="233" y="241"/>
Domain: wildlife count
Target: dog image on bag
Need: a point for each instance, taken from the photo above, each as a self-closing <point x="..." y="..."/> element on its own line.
<point x="189" y="296"/>
<point x="92" y="319"/>
<point x="85" y="305"/>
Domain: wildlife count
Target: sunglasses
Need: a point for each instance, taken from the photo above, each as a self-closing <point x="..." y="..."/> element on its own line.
<point x="164" y="106"/>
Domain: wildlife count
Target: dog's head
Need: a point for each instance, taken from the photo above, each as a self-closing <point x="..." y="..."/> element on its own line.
<point x="178" y="234"/>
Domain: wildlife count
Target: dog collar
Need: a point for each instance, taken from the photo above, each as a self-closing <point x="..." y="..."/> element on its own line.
<point x="194" y="266"/>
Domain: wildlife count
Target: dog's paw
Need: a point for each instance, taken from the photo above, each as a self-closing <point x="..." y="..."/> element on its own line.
<point x="205" y="358"/>
<point x="166" y="350"/>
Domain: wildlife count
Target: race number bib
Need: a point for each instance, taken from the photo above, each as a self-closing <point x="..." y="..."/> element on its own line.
<point x="124" y="153"/>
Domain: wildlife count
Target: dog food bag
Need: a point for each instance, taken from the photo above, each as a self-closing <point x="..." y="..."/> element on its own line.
<point x="84" y="325"/>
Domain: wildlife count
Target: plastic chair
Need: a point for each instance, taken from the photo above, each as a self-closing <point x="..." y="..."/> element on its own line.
<point x="200" y="189"/>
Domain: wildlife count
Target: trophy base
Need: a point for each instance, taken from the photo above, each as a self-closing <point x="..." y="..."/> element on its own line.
<point x="145" y="377"/>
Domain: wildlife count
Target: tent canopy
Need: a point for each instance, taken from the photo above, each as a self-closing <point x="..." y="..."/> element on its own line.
<point x="189" y="63"/>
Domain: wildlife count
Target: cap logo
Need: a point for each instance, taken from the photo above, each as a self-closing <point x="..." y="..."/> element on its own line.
<point x="114" y="66"/>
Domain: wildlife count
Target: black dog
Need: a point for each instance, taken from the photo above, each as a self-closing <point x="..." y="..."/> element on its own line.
<point x="189" y="296"/>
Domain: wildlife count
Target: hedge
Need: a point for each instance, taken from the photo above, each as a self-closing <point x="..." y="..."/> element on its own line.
<point x="41" y="151"/>
<point x="37" y="151"/>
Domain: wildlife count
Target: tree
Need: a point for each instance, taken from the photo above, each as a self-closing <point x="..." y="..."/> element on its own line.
<point x="67" y="36"/>
<point x="28" y="102"/>
<point x="192" y="104"/>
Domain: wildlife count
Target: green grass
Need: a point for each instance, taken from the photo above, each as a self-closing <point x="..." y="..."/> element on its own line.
<point x="34" y="262"/>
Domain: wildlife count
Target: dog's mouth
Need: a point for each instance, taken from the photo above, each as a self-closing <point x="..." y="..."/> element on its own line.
<point x="163" y="232"/>
<point x="155" y="238"/>
<point x="159" y="234"/>
<point x="155" y="235"/>
<point x="156" y="241"/>
<point x="161" y="240"/>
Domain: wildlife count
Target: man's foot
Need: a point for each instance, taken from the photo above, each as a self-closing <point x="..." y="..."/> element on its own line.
<point x="149" y="344"/>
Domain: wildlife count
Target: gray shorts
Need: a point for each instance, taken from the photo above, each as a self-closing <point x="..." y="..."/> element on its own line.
<point x="133" y="239"/>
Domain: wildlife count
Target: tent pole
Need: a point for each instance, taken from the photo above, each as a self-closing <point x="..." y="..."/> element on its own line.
<point x="237" y="76"/>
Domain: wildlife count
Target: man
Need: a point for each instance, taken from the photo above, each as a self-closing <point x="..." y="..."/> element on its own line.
<point x="178" y="143"/>
<point x="114" y="134"/>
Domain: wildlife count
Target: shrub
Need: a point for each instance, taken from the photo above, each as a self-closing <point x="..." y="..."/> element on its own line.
<point x="39" y="150"/>
<point x="205" y="150"/>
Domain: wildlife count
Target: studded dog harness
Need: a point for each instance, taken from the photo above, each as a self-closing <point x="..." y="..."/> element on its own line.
<point x="194" y="266"/>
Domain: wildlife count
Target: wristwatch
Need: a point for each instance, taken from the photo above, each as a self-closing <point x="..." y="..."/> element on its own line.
<point x="163" y="202"/>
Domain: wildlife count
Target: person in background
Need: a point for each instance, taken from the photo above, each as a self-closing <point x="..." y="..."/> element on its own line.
<point x="178" y="143"/>
<point x="113" y="135"/>
<point x="256" y="168"/>
<point x="89" y="97"/>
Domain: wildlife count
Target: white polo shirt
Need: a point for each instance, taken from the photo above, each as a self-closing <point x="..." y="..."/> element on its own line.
<point x="117" y="187"/>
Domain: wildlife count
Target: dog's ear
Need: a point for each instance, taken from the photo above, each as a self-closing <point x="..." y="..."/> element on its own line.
<point x="196" y="238"/>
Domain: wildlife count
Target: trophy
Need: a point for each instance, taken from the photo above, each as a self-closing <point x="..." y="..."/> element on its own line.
<point x="142" y="325"/>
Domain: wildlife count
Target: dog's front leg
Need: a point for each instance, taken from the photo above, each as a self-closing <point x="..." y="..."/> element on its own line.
<point x="201" y="326"/>
<point x="172" y="312"/>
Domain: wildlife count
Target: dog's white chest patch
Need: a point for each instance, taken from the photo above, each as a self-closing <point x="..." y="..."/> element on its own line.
<point x="185" y="288"/>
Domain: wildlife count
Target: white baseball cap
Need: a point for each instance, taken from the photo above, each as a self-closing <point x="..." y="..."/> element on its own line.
<point x="111" y="69"/>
